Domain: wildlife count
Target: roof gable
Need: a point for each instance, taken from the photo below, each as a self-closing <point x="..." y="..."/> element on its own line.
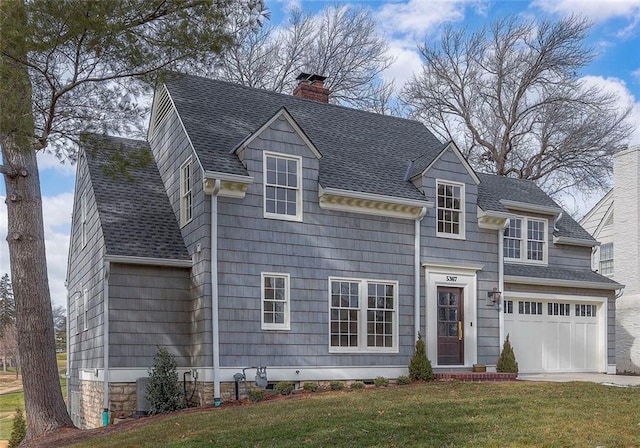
<point x="423" y="164"/>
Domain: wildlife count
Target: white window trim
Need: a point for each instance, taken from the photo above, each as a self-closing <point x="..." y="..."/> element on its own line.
<point x="287" y="302"/>
<point x="523" y="243"/>
<point x="362" y="317"/>
<point x="463" y="214"/>
<point x="600" y="260"/>
<point x="299" y="191"/>
<point x="85" y="301"/>
<point x="79" y="296"/>
<point x="186" y="218"/>
<point x="83" y="219"/>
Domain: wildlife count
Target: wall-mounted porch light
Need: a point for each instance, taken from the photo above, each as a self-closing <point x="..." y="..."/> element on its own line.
<point x="493" y="297"/>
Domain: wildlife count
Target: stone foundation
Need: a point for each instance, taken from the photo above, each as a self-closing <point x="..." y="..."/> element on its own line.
<point x="90" y="404"/>
<point x="122" y="400"/>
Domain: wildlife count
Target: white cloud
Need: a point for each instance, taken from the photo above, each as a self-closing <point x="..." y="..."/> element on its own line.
<point x="636" y="74"/>
<point x="417" y="17"/>
<point x="626" y="99"/>
<point x="406" y="63"/>
<point x="48" y="161"/>
<point x="598" y="11"/>
<point x="57" y="219"/>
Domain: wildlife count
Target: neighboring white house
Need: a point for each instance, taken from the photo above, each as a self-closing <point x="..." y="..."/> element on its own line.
<point x="615" y="223"/>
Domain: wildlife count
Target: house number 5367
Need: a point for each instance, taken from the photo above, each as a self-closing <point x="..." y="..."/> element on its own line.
<point x="452" y="278"/>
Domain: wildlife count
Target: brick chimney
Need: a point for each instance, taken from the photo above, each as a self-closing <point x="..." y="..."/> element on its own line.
<point x="312" y="88"/>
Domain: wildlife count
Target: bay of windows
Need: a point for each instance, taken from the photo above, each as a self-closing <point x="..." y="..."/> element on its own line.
<point x="526" y="240"/>
<point x="363" y="315"/>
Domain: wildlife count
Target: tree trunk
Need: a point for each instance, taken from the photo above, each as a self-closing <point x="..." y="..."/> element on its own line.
<point x="44" y="405"/>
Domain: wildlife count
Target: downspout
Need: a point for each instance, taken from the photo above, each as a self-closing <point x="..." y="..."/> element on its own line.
<point x="215" y="332"/>
<point x="416" y="273"/>
<point x="105" y="341"/>
<point x="501" y="280"/>
<point x="68" y="371"/>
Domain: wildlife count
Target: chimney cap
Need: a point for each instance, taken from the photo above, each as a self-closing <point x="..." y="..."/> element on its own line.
<point x="311" y="78"/>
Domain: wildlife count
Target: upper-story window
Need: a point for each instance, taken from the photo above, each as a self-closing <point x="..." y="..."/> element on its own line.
<point x="526" y="240"/>
<point x="186" y="193"/>
<point x="450" y="214"/>
<point x="282" y="187"/>
<point x="606" y="259"/>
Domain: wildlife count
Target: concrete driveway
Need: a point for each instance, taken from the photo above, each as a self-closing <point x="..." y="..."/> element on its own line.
<point x="600" y="378"/>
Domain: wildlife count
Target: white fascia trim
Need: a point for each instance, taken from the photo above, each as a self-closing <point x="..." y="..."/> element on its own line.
<point x="569" y="241"/>
<point x="557" y="282"/>
<point x="446" y="267"/>
<point x="281" y="373"/>
<point x="283" y="112"/>
<point x="463" y="160"/>
<point x="166" y="262"/>
<point x="373" y="197"/>
<point x="228" y="177"/>
<point x="604" y="219"/>
<point x="595" y="208"/>
<point x="495" y="214"/>
<point x="534" y="208"/>
<point x="555" y="297"/>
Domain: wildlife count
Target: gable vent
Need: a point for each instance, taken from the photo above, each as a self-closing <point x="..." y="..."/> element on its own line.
<point x="162" y="107"/>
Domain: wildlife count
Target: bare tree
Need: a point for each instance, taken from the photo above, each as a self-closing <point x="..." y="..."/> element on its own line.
<point x="340" y="43"/>
<point x="511" y="95"/>
<point x="9" y="348"/>
<point x="67" y="67"/>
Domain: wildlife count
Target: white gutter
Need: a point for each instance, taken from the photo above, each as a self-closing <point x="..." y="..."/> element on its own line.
<point x="105" y="342"/>
<point x="168" y="262"/>
<point x="501" y="281"/>
<point x="416" y="273"/>
<point x="562" y="283"/>
<point x="215" y="330"/>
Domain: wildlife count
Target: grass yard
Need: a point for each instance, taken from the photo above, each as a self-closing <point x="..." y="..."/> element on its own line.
<point x="437" y="414"/>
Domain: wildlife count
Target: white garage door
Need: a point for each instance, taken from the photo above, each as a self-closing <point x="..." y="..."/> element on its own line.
<point x="555" y="336"/>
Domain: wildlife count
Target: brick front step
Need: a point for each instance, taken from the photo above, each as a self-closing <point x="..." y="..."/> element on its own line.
<point x="475" y="376"/>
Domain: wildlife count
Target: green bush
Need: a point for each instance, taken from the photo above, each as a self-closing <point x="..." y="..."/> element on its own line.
<point x="420" y="366"/>
<point x="19" y="430"/>
<point x="255" y="394"/>
<point x="285" y="387"/>
<point x="507" y="360"/>
<point x="310" y="387"/>
<point x="403" y="380"/>
<point x="358" y="385"/>
<point x="163" y="389"/>
<point x="336" y="385"/>
<point x="381" y="381"/>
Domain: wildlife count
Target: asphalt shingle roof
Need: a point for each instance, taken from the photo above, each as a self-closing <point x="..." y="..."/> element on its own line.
<point x="556" y="273"/>
<point x="361" y="151"/>
<point x="493" y="189"/>
<point x="135" y="213"/>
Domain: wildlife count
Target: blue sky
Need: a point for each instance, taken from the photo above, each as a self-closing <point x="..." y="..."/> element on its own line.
<point x="615" y="35"/>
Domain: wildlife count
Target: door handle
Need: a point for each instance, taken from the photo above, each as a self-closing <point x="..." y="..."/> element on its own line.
<point x="460" y="330"/>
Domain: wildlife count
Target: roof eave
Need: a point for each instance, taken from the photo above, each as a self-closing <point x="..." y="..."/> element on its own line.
<point x="570" y="241"/>
<point x="533" y="208"/>
<point x="516" y="279"/>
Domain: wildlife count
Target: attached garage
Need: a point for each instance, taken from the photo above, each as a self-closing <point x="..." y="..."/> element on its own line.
<point x="557" y="333"/>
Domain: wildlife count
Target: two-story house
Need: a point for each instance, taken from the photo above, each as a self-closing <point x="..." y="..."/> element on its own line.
<point x="317" y="241"/>
<point x="615" y="222"/>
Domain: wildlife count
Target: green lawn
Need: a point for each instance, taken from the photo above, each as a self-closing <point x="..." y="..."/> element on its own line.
<point x="437" y="414"/>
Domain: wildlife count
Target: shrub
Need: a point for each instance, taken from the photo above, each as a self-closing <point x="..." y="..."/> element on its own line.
<point x="420" y="366"/>
<point x="19" y="430"/>
<point x="381" y="381"/>
<point x="285" y="387"/>
<point x="358" y="385"/>
<point x="310" y="387"/>
<point x="163" y="389"/>
<point x="403" y="380"/>
<point x="336" y="385"/>
<point x="507" y="360"/>
<point x="255" y="394"/>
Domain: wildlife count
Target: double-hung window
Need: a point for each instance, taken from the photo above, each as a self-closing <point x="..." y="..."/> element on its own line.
<point x="525" y="240"/>
<point x="83" y="219"/>
<point x="186" y="193"/>
<point x="363" y="315"/>
<point x="282" y="186"/>
<point x="275" y="301"/>
<point x="606" y="259"/>
<point x="450" y="213"/>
